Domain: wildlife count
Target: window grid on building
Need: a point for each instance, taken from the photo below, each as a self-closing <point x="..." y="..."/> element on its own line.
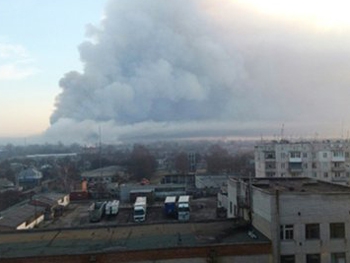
<point x="313" y="258"/>
<point x="312" y="231"/>
<point x="287" y="232"/>
<point x="337" y="230"/>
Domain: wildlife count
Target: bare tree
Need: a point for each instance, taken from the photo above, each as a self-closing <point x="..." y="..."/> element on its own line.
<point x="142" y="164"/>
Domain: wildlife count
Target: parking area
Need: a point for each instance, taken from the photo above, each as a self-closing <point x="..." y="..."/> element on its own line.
<point x="77" y="215"/>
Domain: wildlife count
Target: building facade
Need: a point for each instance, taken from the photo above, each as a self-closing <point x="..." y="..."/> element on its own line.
<point x="308" y="221"/>
<point x="322" y="160"/>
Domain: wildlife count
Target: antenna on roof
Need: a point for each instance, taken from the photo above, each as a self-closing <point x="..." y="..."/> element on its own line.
<point x="282" y="132"/>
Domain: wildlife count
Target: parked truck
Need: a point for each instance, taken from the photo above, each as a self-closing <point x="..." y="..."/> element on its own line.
<point x="183" y="208"/>
<point x="140" y="209"/>
<point x="96" y="211"/>
<point x="170" y="206"/>
<point x="112" y="208"/>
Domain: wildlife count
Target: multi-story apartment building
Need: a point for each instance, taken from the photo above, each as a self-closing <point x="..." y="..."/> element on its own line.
<point x="322" y="160"/>
<point x="307" y="220"/>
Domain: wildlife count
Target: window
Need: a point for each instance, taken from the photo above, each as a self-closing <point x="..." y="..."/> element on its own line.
<point x="325" y="175"/>
<point x="288" y="259"/>
<point x="313" y="258"/>
<point x="338" y="154"/>
<point x="283" y="165"/>
<point x="270" y="155"/>
<point x="337" y="230"/>
<point x="312" y="231"/>
<point x="286" y="232"/>
<point x="231" y="208"/>
<point x="337" y="164"/>
<point x="324" y="155"/>
<point x="304" y="155"/>
<point x="338" y="258"/>
<point x="347" y="154"/>
<point x="337" y="174"/>
<point x="295" y="155"/>
<point x="270" y="165"/>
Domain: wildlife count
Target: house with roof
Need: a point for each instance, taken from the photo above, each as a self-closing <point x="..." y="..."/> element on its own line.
<point x="6" y="185"/>
<point x="29" y="176"/>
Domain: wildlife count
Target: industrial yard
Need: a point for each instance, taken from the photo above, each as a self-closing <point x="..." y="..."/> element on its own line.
<point x="77" y="215"/>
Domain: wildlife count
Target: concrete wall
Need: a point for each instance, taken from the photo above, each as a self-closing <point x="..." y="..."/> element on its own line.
<point x="301" y="209"/>
<point x="231" y="198"/>
<point x="262" y="209"/>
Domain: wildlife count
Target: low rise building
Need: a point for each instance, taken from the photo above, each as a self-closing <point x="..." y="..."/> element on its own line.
<point x="307" y="220"/>
<point x="30" y="177"/>
<point x="6" y="185"/>
<point x="100" y="183"/>
<point x="128" y="192"/>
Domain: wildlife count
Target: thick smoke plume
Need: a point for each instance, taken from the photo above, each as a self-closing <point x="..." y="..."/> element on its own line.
<point x="151" y="65"/>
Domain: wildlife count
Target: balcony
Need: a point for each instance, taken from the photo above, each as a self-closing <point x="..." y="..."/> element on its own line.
<point x="295" y="159"/>
<point x="295" y="167"/>
<point x="338" y="158"/>
<point x="338" y="168"/>
<point x="341" y="179"/>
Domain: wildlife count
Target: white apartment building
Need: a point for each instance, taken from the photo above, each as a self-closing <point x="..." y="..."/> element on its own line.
<point x="308" y="221"/>
<point x="321" y="160"/>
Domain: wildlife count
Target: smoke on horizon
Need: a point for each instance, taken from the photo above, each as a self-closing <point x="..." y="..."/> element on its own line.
<point x="187" y="68"/>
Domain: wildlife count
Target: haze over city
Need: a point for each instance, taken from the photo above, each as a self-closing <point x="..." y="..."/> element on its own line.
<point x="174" y="69"/>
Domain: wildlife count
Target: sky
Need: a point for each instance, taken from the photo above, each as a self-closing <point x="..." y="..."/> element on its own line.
<point x="173" y="69"/>
<point x="38" y="44"/>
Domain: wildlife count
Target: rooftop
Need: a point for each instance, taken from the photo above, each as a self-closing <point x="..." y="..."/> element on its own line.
<point x="298" y="185"/>
<point x="102" y="172"/>
<point x="125" y="238"/>
<point x="49" y="198"/>
<point x="14" y="217"/>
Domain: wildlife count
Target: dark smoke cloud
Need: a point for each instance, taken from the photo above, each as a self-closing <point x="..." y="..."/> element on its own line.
<point x="155" y="64"/>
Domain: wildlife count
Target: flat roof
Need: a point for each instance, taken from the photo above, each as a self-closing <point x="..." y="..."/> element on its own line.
<point x="125" y="238"/>
<point x="17" y="215"/>
<point x="102" y="172"/>
<point x="170" y="199"/>
<point x="298" y="185"/>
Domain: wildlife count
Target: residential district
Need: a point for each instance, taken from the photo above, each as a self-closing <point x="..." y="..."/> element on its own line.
<point x="225" y="201"/>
